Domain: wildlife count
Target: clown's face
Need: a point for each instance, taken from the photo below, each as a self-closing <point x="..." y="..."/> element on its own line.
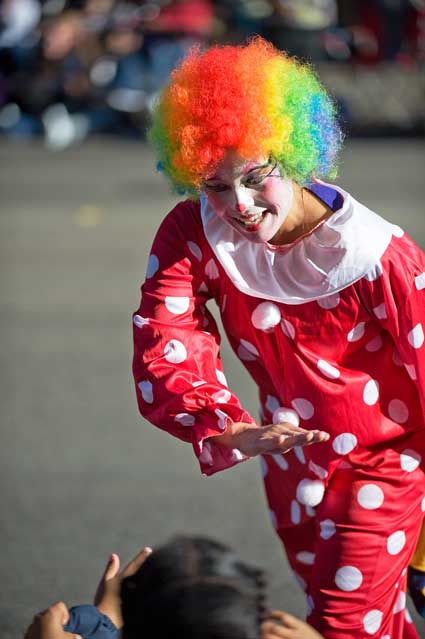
<point x="250" y="196"/>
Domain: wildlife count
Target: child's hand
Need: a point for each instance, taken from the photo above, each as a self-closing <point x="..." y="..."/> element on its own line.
<point x="49" y="623"/>
<point x="281" y="625"/>
<point x="107" y="597"/>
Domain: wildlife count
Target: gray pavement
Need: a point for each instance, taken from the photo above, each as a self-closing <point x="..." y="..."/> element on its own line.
<point x="81" y="473"/>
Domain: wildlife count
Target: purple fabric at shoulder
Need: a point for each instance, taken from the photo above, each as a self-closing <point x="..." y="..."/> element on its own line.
<point x="328" y="195"/>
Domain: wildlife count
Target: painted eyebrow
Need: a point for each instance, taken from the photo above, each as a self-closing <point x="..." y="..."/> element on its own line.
<point x="257" y="168"/>
<point x="254" y="168"/>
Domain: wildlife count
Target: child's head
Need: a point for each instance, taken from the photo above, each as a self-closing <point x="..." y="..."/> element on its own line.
<point x="252" y="99"/>
<point x="193" y="588"/>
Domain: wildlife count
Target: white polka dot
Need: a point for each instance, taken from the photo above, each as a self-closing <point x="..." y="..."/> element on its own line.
<point x="263" y="466"/>
<point x="411" y="371"/>
<point x="304" y="408"/>
<point x="272" y="403"/>
<point x="327" y="528"/>
<point x="273" y="519"/>
<point x="375" y="272"/>
<point x="396" y="542"/>
<point x="146" y="390"/>
<point x="309" y="604"/>
<point x="410" y="460"/>
<point x="247" y="351"/>
<point x="199" y="382"/>
<point x="400" y="603"/>
<point x="175" y="352"/>
<point x="282" y="414"/>
<point x="310" y="492"/>
<point x="423" y="504"/>
<point x="288" y="329"/>
<point x="237" y="456"/>
<point x="370" y="496"/>
<point x="185" y="419"/>
<point x="348" y="578"/>
<point x="195" y="250"/>
<point x="211" y="270"/>
<point x="310" y="511"/>
<point x="300" y="581"/>
<point x="357" y="332"/>
<point x="153" y="265"/>
<point x="281" y="461"/>
<point x="305" y="557"/>
<point x="371" y="392"/>
<point x="372" y="621"/>
<point x="420" y="281"/>
<point x="299" y="454"/>
<point x="202" y="289"/>
<point x="206" y="454"/>
<point x="344" y="465"/>
<point x="223" y="303"/>
<point x="344" y="443"/>
<point x="140" y="321"/>
<point x="221" y="377"/>
<point x="295" y="512"/>
<point x="317" y="470"/>
<point x="177" y="305"/>
<point x="222" y="396"/>
<point x="397" y="231"/>
<point x="327" y="369"/>
<point x="385" y="637"/>
<point x="396" y="358"/>
<point x="266" y="316"/>
<point x="407" y="616"/>
<point x="375" y="344"/>
<point x="222" y="418"/>
<point x="331" y="301"/>
<point x="398" y="411"/>
<point x="416" y="336"/>
<point x="380" y="311"/>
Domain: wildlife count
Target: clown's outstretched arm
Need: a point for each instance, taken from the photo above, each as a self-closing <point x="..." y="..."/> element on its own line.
<point x="180" y="383"/>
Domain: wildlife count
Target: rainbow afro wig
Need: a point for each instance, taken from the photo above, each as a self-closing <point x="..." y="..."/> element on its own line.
<point x="252" y="99"/>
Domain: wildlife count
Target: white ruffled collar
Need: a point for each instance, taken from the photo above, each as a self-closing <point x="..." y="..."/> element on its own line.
<point x="337" y="253"/>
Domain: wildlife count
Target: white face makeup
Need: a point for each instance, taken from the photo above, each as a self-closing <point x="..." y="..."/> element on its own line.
<point x="250" y="196"/>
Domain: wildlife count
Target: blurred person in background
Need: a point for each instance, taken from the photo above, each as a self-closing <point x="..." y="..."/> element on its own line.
<point x="191" y="588"/>
<point x="72" y="68"/>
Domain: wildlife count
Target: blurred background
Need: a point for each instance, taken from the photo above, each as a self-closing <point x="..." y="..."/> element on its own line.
<point x="71" y="68"/>
<point x="81" y="474"/>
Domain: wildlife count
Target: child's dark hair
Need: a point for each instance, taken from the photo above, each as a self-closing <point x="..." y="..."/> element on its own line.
<point x="193" y="588"/>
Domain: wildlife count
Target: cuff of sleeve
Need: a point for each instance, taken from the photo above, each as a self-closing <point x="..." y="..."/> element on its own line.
<point x="215" y="457"/>
<point x="88" y="622"/>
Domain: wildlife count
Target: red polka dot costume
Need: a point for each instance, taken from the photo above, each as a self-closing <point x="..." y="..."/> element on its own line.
<point x="331" y="329"/>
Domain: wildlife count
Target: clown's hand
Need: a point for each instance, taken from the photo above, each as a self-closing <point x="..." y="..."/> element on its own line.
<point x="272" y="439"/>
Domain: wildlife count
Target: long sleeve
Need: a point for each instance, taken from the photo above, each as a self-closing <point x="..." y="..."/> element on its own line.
<point x="179" y="378"/>
<point x="395" y="296"/>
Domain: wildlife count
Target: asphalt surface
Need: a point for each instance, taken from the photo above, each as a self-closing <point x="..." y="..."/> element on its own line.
<point x="81" y="473"/>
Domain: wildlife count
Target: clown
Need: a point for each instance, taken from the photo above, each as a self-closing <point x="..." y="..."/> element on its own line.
<point x="321" y="299"/>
